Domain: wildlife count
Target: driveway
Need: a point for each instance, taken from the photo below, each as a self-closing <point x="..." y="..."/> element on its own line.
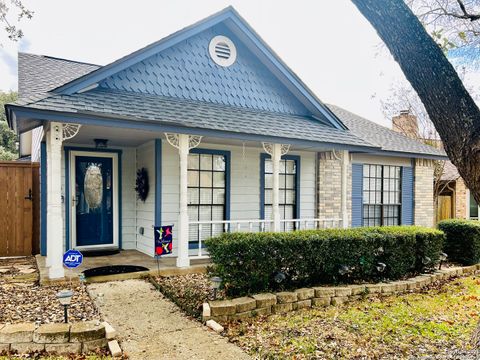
<point x="151" y="327"/>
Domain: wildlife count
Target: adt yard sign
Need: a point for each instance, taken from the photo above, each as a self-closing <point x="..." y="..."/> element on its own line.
<point x="72" y="259"/>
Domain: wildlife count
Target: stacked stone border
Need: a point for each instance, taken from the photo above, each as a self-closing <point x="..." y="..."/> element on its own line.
<point x="59" y="338"/>
<point x="244" y="308"/>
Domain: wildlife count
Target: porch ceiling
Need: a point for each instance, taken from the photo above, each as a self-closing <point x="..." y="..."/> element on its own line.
<point x="120" y="137"/>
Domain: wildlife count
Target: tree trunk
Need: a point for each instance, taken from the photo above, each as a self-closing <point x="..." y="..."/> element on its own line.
<point x="450" y="107"/>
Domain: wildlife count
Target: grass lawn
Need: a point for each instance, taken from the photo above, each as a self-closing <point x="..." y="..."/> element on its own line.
<point x="435" y="323"/>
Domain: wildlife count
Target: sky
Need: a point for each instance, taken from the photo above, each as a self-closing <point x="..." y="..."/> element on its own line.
<point x="333" y="49"/>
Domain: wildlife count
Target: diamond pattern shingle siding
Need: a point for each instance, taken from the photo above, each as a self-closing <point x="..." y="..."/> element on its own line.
<point x="187" y="71"/>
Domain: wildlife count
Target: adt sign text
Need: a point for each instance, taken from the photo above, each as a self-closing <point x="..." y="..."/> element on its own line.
<point x="72" y="259"/>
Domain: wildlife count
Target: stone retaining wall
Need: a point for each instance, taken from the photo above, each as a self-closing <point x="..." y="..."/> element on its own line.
<point x="59" y="338"/>
<point x="244" y="308"/>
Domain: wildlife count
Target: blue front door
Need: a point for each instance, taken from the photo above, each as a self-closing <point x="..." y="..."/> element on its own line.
<point x="94" y="200"/>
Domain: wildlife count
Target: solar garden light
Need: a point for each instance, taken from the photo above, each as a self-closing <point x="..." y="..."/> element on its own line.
<point x="216" y="282"/>
<point x="65" y="297"/>
<point x="443" y="257"/>
<point x="381" y="267"/>
<point x="279" y="277"/>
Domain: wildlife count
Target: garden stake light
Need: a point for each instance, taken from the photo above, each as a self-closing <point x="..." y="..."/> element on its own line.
<point x="65" y="297"/>
<point x="443" y="257"/>
<point x="216" y="282"/>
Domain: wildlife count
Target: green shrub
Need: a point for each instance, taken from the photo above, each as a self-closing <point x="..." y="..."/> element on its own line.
<point x="462" y="243"/>
<point x="248" y="262"/>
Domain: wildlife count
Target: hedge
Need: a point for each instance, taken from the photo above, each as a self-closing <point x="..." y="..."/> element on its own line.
<point x="462" y="242"/>
<point x="248" y="262"/>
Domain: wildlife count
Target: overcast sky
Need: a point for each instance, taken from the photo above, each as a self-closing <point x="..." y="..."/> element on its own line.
<point x="327" y="43"/>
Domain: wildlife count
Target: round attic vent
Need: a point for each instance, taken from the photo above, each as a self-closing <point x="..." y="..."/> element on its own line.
<point x="222" y="50"/>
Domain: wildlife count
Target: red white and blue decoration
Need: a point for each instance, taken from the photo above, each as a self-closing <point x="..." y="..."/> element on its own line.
<point x="163" y="240"/>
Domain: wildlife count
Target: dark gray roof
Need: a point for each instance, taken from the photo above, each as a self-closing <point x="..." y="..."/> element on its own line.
<point x="382" y="136"/>
<point x="38" y="74"/>
<point x="196" y="114"/>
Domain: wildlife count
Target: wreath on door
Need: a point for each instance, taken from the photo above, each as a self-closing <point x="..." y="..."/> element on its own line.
<point x="141" y="185"/>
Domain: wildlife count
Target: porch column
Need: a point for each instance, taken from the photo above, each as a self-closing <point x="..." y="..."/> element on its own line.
<point x="344" y="175"/>
<point x="183" y="143"/>
<point x="276" y="151"/>
<point x="55" y="223"/>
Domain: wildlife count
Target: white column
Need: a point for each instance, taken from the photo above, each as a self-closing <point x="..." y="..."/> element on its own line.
<point x="276" y="156"/>
<point x="344" y="175"/>
<point x="183" y="143"/>
<point x="183" y="149"/>
<point x="55" y="224"/>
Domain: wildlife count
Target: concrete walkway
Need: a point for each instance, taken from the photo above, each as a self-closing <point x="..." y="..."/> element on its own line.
<point x="151" y="327"/>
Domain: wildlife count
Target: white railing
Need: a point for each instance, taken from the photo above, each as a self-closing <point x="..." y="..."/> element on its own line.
<point x="216" y="227"/>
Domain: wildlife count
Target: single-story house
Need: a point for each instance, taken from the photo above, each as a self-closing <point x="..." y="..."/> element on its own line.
<point x="229" y="138"/>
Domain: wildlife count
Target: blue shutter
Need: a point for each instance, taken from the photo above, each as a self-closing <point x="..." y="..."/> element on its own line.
<point x="357" y="195"/>
<point x="407" y="195"/>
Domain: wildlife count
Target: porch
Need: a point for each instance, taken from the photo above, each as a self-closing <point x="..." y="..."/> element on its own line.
<point x="164" y="267"/>
<point x="202" y="185"/>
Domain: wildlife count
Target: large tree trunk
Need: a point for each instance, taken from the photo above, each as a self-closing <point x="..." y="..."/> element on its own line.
<point x="450" y="107"/>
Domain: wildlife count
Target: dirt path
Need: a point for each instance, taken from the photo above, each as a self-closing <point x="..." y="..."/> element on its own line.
<point x="151" y="327"/>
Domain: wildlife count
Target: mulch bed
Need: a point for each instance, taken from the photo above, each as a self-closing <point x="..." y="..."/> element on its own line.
<point x="22" y="299"/>
<point x="189" y="292"/>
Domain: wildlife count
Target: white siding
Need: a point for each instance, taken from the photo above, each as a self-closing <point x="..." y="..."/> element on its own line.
<point x="37" y="136"/>
<point x="244" y="183"/>
<point x="145" y="211"/>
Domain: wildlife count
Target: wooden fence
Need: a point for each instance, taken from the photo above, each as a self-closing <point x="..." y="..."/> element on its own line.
<point x="19" y="208"/>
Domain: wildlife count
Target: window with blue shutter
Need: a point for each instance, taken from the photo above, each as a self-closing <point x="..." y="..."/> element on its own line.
<point x="357" y="195"/>
<point x="407" y="195"/>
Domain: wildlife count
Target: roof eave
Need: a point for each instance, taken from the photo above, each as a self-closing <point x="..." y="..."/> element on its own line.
<point x="35" y="116"/>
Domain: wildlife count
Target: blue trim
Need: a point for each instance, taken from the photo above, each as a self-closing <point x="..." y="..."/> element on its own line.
<point x="244" y="31"/>
<point x="296" y="158"/>
<point x="123" y="122"/>
<point x="407" y="196"/>
<point x="67" y="150"/>
<point x="227" y="155"/>
<point x="158" y="182"/>
<point x="43" y="199"/>
<point x="357" y="195"/>
<point x="411" y="155"/>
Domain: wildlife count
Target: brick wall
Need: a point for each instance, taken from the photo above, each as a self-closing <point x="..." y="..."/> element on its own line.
<point x="424" y="203"/>
<point x="330" y="187"/>
<point x="460" y="199"/>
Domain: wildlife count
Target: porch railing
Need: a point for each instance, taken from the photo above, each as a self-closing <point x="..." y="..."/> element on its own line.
<point x="217" y="227"/>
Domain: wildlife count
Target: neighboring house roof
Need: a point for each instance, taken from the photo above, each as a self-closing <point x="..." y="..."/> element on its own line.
<point x="450" y="172"/>
<point x="378" y="135"/>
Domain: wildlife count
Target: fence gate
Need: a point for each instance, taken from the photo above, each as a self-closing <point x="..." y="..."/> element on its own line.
<point x="19" y="206"/>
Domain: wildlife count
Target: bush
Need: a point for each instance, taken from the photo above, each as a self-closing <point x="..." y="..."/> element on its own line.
<point x="248" y="262"/>
<point x="462" y="243"/>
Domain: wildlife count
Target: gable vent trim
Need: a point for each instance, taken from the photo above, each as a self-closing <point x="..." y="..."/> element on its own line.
<point x="222" y="51"/>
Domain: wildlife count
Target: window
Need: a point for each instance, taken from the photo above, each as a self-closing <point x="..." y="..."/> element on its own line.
<point x="287" y="190"/>
<point x="473" y="214"/>
<point x="207" y="186"/>
<point x="381" y="195"/>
